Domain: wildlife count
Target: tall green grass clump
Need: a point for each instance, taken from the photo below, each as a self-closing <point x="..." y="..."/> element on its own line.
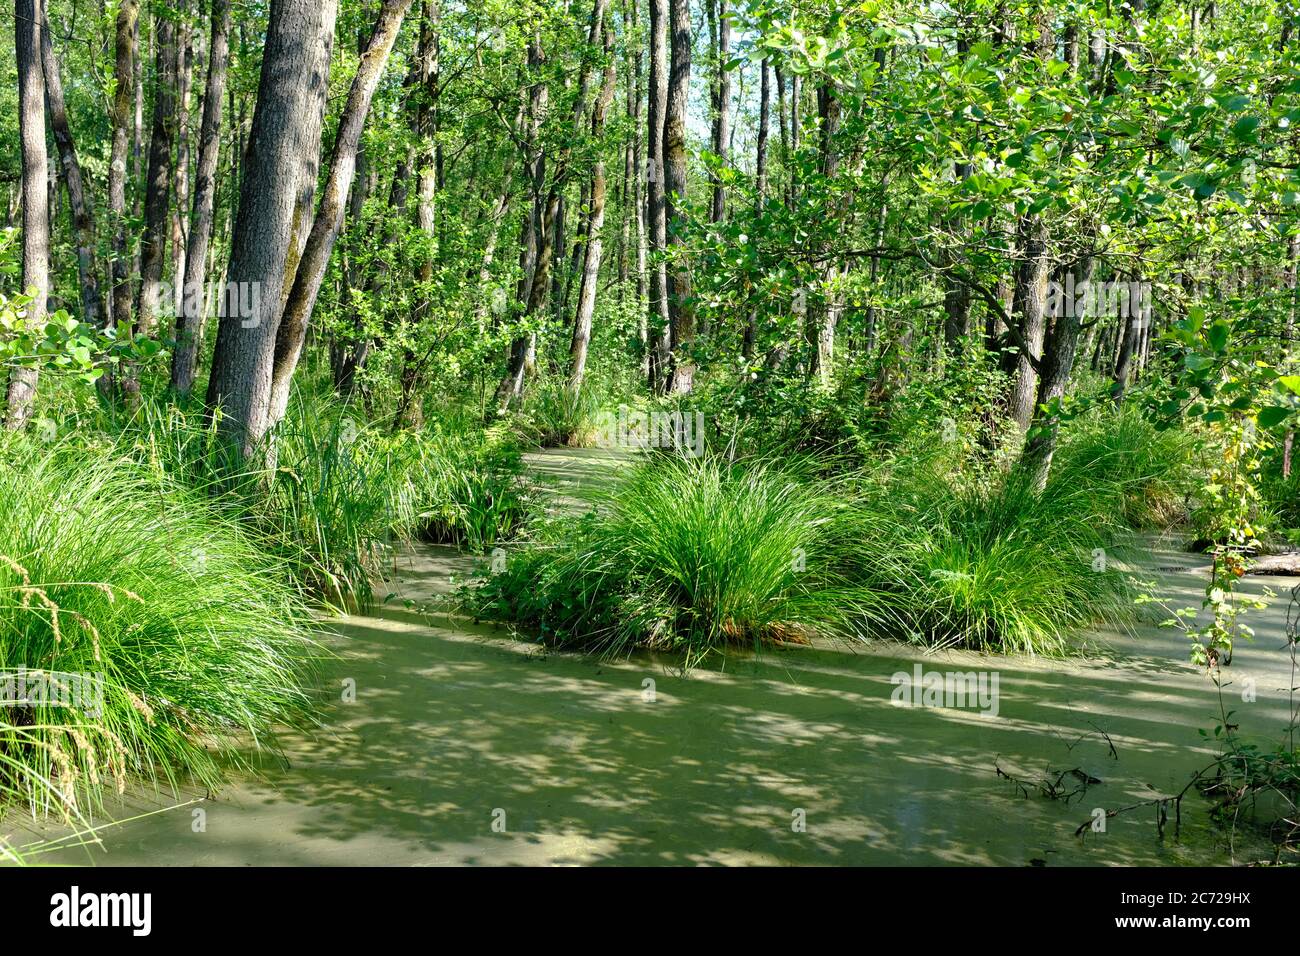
<point x="470" y="490"/>
<point x="996" y="566"/>
<point x="683" y="554"/>
<point x="117" y="574"/>
<point x="1154" y="468"/>
<point x="337" y="492"/>
<point x="556" y="415"/>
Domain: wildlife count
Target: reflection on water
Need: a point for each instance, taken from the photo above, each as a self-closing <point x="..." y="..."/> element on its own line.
<point x="455" y="726"/>
<point x="794" y="757"/>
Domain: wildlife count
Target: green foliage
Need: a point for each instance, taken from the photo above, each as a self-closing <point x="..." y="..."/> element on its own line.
<point x="109" y="569"/>
<point x="695" y="554"/>
<point x="554" y="414"/>
<point x="996" y="566"/>
<point x="684" y="554"/>
<point x="1154" y="467"/>
<point x="343" y="491"/>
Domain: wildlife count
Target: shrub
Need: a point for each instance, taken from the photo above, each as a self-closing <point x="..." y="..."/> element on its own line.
<point x="342" y="490"/>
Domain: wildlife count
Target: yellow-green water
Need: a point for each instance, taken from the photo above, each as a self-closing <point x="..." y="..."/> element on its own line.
<point x="467" y="746"/>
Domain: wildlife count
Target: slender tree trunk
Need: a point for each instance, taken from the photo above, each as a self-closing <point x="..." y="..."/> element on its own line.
<point x="490" y="251"/>
<point x="722" y="109"/>
<point x="83" y="217"/>
<point x="1059" y="355"/>
<point x="124" y="71"/>
<point x="656" y="205"/>
<point x="329" y="218"/>
<point x="181" y="178"/>
<point x="1031" y="308"/>
<point x="760" y="177"/>
<point x="28" y="21"/>
<point x="1128" y="338"/>
<point x="239" y="388"/>
<point x="153" y="246"/>
<point x="681" y="312"/>
<point x="309" y="141"/>
<point x="591" y="261"/>
<point x="822" y="320"/>
<point x="534" y="227"/>
<point x="189" y="319"/>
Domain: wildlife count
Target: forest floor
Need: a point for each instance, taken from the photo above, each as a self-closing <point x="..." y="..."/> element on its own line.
<point x="468" y="745"/>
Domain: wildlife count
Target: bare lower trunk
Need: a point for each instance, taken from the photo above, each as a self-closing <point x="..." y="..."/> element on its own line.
<point x="189" y="319"/>
<point x="123" y="73"/>
<point x="153" y="247"/>
<point x="1031" y="308"/>
<point x="83" y="218"/>
<point x="329" y="218"/>
<point x="681" y="312"/>
<point x="181" y="177"/>
<point x="1060" y="353"/>
<point x="239" y="389"/>
<point x="655" y="200"/>
<point x="36" y="208"/>
<point x="760" y="175"/>
<point x="591" y="261"/>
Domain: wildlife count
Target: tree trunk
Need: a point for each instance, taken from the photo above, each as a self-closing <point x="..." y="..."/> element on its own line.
<point x="189" y="319"/>
<point x="591" y="261"/>
<point x="821" y="322"/>
<point x="760" y="177"/>
<point x="534" y="226"/>
<point x="329" y="218"/>
<point x="656" y="207"/>
<point x="153" y="245"/>
<point x="28" y="17"/>
<point x="1031" y="308"/>
<point x="1059" y="355"/>
<point x="83" y="217"/>
<point x="181" y="178"/>
<point x="124" y="71"/>
<point x="722" y="109"/>
<point x="309" y="143"/>
<point x="239" y="389"/>
<point x="681" y="312"/>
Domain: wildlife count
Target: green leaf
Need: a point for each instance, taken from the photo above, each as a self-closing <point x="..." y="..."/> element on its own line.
<point x="1273" y="416"/>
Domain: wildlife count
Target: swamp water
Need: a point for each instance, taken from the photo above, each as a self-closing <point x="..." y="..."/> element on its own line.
<point x="466" y="746"/>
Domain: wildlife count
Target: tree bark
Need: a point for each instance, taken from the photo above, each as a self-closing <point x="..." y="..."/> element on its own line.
<point x="83" y="217"/>
<point x="591" y="261"/>
<point x="1031" y="308"/>
<point x="681" y="314"/>
<point x="181" y="177"/>
<point x="722" y="109"/>
<point x="28" y="17"/>
<point x="822" y="320"/>
<point x="325" y="229"/>
<point x="189" y="319"/>
<point x="153" y="245"/>
<point x="760" y="186"/>
<point x="535" y="226"/>
<point x="309" y="141"/>
<point x="128" y="15"/>
<point x="239" y="388"/>
<point x="1059" y="355"/>
<point x="656" y="207"/>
